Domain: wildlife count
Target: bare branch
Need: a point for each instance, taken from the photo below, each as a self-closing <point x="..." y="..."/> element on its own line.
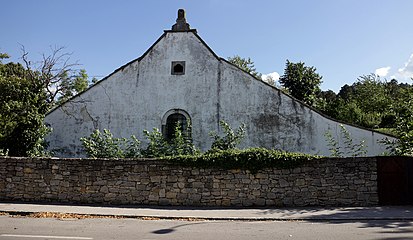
<point x="51" y="71"/>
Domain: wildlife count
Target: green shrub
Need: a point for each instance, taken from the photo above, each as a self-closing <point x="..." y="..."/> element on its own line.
<point x="182" y="143"/>
<point x="158" y="146"/>
<point x="104" y="145"/>
<point x="252" y="159"/>
<point x="4" y="152"/>
<point x="230" y="139"/>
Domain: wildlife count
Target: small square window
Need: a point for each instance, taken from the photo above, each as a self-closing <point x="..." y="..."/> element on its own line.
<point x="178" y="68"/>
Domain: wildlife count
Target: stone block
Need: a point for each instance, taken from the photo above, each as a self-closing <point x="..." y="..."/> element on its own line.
<point x="260" y="202"/>
<point x="54" y="182"/>
<point x="172" y="179"/>
<point x="164" y="201"/>
<point x="170" y="195"/>
<point x="153" y="197"/>
<point x="155" y="179"/>
<point x="300" y="182"/>
<point x="162" y="193"/>
<point x="283" y="183"/>
<point x="261" y="175"/>
<point x="104" y="189"/>
<point x="197" y="184"/>
<point x="181" y="185"/>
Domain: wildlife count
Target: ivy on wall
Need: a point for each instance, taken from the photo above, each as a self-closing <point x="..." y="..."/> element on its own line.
<point x="252" y="159"/>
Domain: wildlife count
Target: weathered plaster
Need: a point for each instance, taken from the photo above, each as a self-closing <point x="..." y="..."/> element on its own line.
<point x="138" y="95"/>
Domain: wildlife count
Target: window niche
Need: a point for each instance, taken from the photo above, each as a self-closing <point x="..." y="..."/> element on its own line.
<point x="178" y="68"/>
<point x="170" y="121"/>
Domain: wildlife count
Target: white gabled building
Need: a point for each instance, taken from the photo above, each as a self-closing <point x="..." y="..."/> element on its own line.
<point x="180" y="78"/>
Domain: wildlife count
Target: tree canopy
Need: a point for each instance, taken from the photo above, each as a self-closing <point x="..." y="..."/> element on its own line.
<point x="27" y="93"/>
<point x="23" y="106"/>
<point x="301" y="82"/>
<point x="245" y="64"/>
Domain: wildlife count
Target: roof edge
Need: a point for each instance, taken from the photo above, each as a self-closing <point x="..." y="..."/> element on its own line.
<point x="105" y="78"/>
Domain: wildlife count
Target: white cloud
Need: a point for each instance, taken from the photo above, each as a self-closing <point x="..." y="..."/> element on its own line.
<point x="382" y="72"/>
<point x="271" y="77"/>
<point x="406" y="73"/>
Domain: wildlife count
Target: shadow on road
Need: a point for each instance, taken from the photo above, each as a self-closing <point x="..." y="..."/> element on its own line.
<point x="172" y="229"/>
<point x="388" y="219"/>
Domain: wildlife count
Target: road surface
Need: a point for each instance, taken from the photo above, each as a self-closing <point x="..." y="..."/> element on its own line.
<point x="24" y="228"/>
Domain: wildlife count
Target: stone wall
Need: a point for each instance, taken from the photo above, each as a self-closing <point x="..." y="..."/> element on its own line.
<point x="324" y="182"/>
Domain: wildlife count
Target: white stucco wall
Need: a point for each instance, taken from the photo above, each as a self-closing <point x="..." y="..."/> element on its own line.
<point x="137" y="97"/>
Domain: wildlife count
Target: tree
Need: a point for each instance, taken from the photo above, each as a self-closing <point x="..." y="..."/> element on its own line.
<point x="73" y="86"/>
<point x="245" y="64"/>
<point x="22" y="109"/>
<point x="27" y="92"/>
<point x="58" y="76"/>
<point x="366" y="102"/>
<point x="302" y="82"/>
<point x="403" y="112"/>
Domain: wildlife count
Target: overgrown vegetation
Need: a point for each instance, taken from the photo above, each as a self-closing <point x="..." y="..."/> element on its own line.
<point x="22" y="110"/>
<point x="180" y="150"/>
<point x="349" y="147"/>
<point x="104" y="145"/>
<point x="230" y="139"/>
<point x="252" y="159"/>
<point x="28" y="90"/>
<point x="180" y="144"/>
<point x="403" y="146"/>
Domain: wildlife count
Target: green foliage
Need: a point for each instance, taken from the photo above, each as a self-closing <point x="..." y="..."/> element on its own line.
<point x="158" y="146"/>
<point x="333" y="145"/>
<point x="3" y="56"/>
<point x="71" y="86"/>
<point x="403" y="112"/>
<point x="104" y="145"/>
<point x="4" y="152"/>
<point x="230" y="139"/>
<point x="133" y="149"/>
<point x="367" y="102"/>
<point x="252" y="159"/>
<point x="22" y="109"/>
<point x="245" y="64"/>
<point x="181" y="151"/>
<point x="350" y="148"/>
<point x="181" y="144"/>
<point x="302" y="82"/>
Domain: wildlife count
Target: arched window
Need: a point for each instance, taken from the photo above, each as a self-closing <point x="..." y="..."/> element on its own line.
<point x="170" y="121"/>
<point x="178" y="68"/>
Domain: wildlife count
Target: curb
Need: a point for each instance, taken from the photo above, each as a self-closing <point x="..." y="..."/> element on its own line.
<point x="194" y="218"/>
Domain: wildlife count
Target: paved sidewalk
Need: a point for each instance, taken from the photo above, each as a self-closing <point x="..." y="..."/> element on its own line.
<point x="246" y="214"/>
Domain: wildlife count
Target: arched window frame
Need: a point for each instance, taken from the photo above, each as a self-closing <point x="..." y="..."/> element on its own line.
<point x="171" y="112"/>
<point x="178" y="65"/>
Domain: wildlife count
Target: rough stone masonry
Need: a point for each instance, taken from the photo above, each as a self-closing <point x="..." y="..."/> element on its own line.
<point x="323" y="182"/>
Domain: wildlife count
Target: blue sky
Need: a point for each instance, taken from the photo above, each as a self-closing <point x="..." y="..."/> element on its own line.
<point x="343" y="39"/>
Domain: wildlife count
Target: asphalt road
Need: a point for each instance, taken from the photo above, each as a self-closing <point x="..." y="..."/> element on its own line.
<point x="23" y="228"/>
